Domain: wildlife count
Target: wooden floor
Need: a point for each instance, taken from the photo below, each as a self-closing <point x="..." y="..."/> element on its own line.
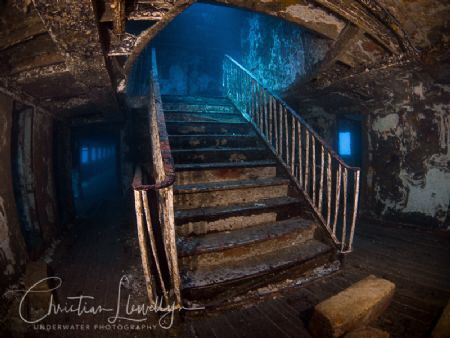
<point x="103" y="249"/>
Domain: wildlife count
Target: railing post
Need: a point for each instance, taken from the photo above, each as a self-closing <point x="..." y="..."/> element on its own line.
<point x="298" y="152"/>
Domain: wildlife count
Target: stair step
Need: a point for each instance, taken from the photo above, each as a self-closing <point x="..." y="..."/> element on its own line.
<point x="197" y="107"/>
<point x="201" y="141"/>
<point x="229" y="192"/>
<point x="213" y="242"/>
<point x="237" y="173"/>
<point x="191" y="116"/>
<point x="207" y="127"/>
<point x="196" y="282"/>
<point x="216" y="154"/>
<point x="224" y="165"/>
<point x="223" y="247"/>
<point x="195" y="99"/>
<point x="236" y="216"/>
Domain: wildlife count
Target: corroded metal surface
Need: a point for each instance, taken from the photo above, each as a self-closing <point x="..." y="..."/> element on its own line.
<point x="74" y="28"/>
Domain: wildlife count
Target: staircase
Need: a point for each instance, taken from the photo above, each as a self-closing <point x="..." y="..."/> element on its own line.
<point x="240" y="222"/>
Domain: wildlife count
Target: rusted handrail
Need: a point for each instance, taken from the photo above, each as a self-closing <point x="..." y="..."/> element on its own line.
<point x="298" y="147"/>
<point x="294" y="113"/>
<point x="155" y="103"/>
<point x="164" y="176"/>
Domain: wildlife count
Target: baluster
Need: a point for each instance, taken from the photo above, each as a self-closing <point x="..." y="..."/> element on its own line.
<point x="328" y="188"/>
<point x="313" y="167"/>
<point x="252" y="92"/>
<point x="286" y="137"/>
<point x="275" y="120"/>
<point x="266" y="114"/>
<point x="261" y="110"/>
<point x="300" y="168"/>
<point x="338" y="195"/>
<point x="280" y="135"/>
<point x="292" y="145"/>
<point x="344" y="205"/>
<point x="270" y="119"/>
<point x="306" y="160"/>
<point x="143" y="246"/>
<point x="355" y="207"/>
<point x="151" y="236"/>
<point x="322" y="159"/>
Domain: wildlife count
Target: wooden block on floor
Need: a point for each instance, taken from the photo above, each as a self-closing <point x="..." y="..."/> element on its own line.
<point x="442" y="329"/>
<point x="367" y="332"/>
<point x="354" y="307"/>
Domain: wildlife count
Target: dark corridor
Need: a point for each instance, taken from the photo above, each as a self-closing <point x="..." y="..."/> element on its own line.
<point x="95" y="167"/>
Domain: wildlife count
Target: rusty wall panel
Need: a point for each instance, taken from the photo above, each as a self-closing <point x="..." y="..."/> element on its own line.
<point x="12" y="246"/>
<point x="43" y="171"/>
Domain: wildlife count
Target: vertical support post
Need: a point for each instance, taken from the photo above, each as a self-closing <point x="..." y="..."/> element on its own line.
<point x="300" y="153"/>
<point x="151" y="236"/>
<point x="306" y="160"/>
<point x="292" y="145"/>
<point x="344" y="211"/>
<point x="322" y="159"/>
<point x="313" y="167"/>
<point x="329" y="188"/>
<point x="143" y="246"/>
<point x="355" y="208"/>
<point x="338" y="196"/>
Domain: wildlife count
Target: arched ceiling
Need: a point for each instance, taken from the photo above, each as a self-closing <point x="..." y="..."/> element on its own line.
<point x="72" y="56"/>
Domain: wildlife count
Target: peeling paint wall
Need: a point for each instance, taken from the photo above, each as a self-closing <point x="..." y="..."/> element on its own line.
<point x="280" y="53"/>
<point x="12" y="246"/>
<point x="409" y="149"/>
<point x="43" y="170"/>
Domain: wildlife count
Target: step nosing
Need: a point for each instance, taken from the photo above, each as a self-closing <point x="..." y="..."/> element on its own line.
<point x="196" y="150"/>
<point x="252" y="235"/>
<point x="251" y="267"/>
<point x="226" y="165"/>
<point x="223" y="211"/>
<point x="230" y="185"/>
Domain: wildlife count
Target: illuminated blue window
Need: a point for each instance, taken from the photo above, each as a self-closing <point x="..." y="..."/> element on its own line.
<point x="93" y="154"/>
<point x="345" y="145"/>
<point x="84" y="155"/>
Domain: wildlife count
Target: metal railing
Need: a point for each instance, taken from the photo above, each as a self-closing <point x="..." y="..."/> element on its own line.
<point x="307" y="158"/>
<point x="157" y="259"/>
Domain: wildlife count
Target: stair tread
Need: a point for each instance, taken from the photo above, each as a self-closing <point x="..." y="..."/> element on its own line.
<point x="228" y="185"/>
<point x="182" y="111"/>
<point x="220" y="100"/>
<point x="206" y="122"/>
<point x="225" y="210"/>
<point x="230" y="239"/>
<point x="253" y="266"/>
<point x="224" y="165"/>
<point x="215" y="149"/>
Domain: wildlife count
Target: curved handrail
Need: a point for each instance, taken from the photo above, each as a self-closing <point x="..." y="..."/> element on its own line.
<point x="296" y="115"/>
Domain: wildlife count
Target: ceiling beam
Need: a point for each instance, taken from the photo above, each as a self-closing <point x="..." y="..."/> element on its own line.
<point x="74" y="28"/>
<point x="361" y="16"/>
<point x="348" y="36"/>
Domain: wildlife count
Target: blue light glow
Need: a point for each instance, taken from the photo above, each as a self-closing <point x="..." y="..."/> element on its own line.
<point x="345" y="145"/>
<point x="84" y="155"/>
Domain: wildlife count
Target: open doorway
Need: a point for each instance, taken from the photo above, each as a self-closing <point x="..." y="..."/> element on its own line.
<point x="95" y="167"/>
<point x="349" y="142"/>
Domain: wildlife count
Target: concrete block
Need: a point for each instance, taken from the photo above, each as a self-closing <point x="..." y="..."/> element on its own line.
<point x="367" y="332"/>
<point x="442" y="329"/>
<point x="354" y="307"/>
